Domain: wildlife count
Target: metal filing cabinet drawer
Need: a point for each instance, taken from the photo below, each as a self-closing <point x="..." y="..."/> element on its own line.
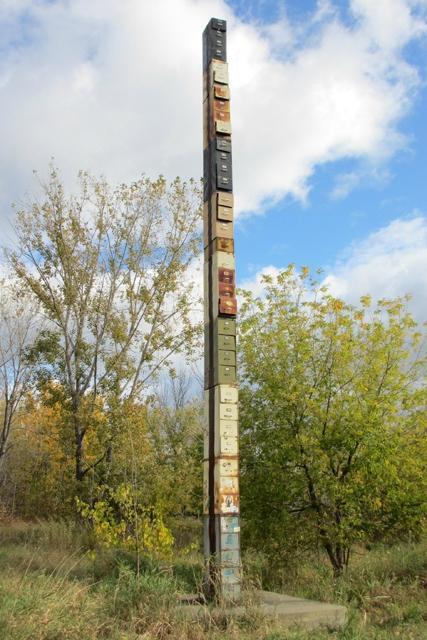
<point x="227" y="342"/>
<point x="219" y="72"/>
<point x="229" y="541"/>
<point x="221" y="91"/>
<point x="226" y="290"/>
<point x="224" y="260"/>
<point x="227" y="357"/>
<point x="228" y="467"/>
<point x="230" y="574"/>
<point x="230" y="557"/>
<point x="230" y="524"/>
<point x="226" y="374"/>
<point x="227" y="393"/>
<point x="228" y="411"/>
<point x="227" y="446"/>
<point x="227" y="306"/>
<point x="226" y="199"/>
<point x="229" y="503"/>
<point x="226" y="326"/>
<point x="223" y="144"/>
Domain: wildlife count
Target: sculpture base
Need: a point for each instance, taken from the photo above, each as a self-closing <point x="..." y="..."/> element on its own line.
<point x="282" y="610"/>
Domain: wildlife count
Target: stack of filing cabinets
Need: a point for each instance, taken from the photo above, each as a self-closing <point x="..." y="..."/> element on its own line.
<point x="221" y="450"/>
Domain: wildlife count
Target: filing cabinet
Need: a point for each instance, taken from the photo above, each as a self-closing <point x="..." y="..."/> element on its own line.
<point x="215" y="45"/>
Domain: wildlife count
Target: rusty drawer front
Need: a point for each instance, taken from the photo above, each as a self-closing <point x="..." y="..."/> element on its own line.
<point x="226" y="276"/>
<point x="228" y="503"/>
<point x="221" y="91"/>
<point x="227" y="306"/>
<point x="225" y="244"/>
<point x="221" y="106"/>
<point x="226" y="291"/>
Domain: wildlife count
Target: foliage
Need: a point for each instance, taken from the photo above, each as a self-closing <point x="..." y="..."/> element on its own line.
<point x="333" y="419"/>
<point x="119" y="520"/>
<point x="18" y="330"/>
<point x="39" y="471"/>
<point x="109" y="270"/>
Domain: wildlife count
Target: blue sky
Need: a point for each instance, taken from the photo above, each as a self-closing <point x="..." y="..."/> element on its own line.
<point x="324" y="229"/>
<point x="328" y="111"/>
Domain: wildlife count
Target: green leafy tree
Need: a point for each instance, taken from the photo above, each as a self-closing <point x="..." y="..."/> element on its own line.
<point x="109" y="269"/>
<point x="333" y="419"/>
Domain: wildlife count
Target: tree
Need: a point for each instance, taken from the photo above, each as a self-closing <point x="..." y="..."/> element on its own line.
<point x="18" y="330"/>
<point x="333" y="418"/>
<point x="109" y="269"/>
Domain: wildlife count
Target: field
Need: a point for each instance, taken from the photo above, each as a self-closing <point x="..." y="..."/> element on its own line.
<point x="54" y="586"/>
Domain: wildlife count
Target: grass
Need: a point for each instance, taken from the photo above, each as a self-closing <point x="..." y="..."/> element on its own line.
<point x="53" y="586"/>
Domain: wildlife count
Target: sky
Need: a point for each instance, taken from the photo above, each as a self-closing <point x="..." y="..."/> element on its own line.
<point x="328" y="104"/>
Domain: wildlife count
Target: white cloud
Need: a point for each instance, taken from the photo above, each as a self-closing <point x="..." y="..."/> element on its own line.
<point x="344" y="183"/>
<point x="114" y="86"/>
<point x="389" y="263"/>
<point x="255" y="284"/>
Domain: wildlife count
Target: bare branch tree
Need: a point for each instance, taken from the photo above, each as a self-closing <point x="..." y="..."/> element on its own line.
<point x="18" y="329"/>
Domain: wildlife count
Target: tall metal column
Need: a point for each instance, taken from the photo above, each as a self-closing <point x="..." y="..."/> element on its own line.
<point x="221" y="451"/>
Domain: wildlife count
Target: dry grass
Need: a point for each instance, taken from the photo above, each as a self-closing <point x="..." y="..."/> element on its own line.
<point x="54" y="587"/>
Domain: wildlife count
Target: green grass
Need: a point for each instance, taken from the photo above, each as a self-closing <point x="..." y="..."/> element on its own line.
<point x="54" y="586"/>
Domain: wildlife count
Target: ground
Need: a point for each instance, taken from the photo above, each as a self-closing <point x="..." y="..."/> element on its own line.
<point x="54" y="586"/>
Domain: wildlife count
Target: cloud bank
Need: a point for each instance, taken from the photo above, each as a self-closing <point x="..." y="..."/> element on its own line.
<point x="114" y="86"/>
<point x="389" y="263"/>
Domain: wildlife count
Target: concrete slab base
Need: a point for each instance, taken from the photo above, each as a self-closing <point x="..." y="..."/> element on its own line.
<point x="282" y="610"/>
